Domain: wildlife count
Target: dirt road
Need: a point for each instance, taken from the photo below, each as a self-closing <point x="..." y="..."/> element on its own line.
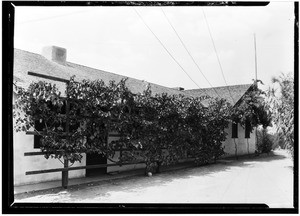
<point x="266" y="180"/>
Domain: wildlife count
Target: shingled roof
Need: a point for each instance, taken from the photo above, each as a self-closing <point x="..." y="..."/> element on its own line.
<point x="26" y="61"/>
<point x="231" y="93"/>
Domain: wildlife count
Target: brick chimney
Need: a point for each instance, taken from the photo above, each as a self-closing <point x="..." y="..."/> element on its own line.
<point x="56" y="54"/>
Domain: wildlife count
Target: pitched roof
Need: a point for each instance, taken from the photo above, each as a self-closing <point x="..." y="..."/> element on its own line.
<point x="231" y="93"/>
<point x="26" y="61"/>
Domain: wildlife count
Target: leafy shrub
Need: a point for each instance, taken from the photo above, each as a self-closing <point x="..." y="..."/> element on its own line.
<point x="281" y="98"/>
<point x="264" y="141"/>
<point x="279" y="140"/>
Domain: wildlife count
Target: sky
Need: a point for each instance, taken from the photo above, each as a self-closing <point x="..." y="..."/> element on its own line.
<point x="115" y="39"/>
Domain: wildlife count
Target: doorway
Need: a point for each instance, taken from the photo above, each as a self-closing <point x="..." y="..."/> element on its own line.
<point x="95" y="159"/>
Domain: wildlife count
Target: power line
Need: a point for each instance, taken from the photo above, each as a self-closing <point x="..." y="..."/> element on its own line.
<point x="165" y="47"/>
<point x="217" y="54"/>
<point x="188" y="51"/>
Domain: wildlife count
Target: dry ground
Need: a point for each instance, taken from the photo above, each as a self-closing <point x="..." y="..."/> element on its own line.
<point x="263" y="179"/>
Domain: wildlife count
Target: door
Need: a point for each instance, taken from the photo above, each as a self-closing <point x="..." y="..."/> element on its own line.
<point x="95" y="159"/>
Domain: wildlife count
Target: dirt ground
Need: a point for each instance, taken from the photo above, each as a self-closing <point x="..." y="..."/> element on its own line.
<point x="263" y="179"/>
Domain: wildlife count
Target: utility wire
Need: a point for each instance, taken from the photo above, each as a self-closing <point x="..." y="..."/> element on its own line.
<point x="165" y="48"/>
<point x="217" y="54"/>
<point x="188" y="51"/>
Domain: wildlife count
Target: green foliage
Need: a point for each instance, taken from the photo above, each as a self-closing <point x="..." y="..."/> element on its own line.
<point x="156" y="129"/>
<point x="279" y="141"/>
<point x="208" y="130"/>
<point x="264" y="141"/>
<point x="34" y="103"/>
<point x="281" y="101"/>
<point x="93" y="107"/>
<point x="253" y="109"/>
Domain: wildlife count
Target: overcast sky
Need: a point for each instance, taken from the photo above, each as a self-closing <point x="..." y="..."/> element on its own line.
<point x="116" y="40"/>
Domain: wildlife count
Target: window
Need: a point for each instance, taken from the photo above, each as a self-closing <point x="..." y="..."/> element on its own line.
<point x="247" y="129"/>
<point x="234" y="130"/>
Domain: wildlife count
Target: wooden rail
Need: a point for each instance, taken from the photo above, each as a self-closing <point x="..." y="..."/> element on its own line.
<point x="41" y="133"/>
<point x="43" y="153"/>
<point x="36" y="153"/>
<point x="48" y="77"/>
<point x="80" y="167"/>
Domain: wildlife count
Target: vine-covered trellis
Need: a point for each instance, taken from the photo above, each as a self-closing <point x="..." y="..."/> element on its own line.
<point x="154" y="129"/>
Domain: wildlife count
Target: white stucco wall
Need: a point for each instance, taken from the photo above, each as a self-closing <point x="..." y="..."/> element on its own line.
<point x="241" y="141"/>
<point x="24" y="143"/>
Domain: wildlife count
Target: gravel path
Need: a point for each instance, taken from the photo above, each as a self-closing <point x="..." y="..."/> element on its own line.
<point x="267" y="179"/>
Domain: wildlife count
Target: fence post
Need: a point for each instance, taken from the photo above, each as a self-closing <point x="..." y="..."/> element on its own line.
<point x="65" y="175"/>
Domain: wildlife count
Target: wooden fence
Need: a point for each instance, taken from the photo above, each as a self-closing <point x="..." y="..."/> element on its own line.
<point x="74" y="168"/>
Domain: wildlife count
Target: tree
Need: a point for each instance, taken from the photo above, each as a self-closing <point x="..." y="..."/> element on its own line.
<point x="252" y="109"/>
<point x="95" y="110"/>
<point x="281" y="101"/>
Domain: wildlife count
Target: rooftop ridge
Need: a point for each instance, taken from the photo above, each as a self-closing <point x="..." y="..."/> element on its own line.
<point x="28" y="61"/>
<point x="69" y="64"/>
<point x="220" y="87"/>
<point x="144" y="81"/>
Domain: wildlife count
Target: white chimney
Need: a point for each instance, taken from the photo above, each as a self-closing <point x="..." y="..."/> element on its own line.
<point x="56" y="54"/>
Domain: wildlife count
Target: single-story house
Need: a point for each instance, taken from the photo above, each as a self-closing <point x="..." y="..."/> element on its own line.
<point x="53" y="62"/>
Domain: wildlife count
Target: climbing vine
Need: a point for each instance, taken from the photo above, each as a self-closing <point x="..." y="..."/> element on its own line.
<point x="157" y="129"/>
<point x="252" y="109"/>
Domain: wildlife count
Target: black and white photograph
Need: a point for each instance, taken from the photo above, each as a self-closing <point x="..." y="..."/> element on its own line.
<point x="154" y="103"/>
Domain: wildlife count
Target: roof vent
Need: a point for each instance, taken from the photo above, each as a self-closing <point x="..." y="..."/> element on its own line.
<point x="56" y="54"/>
<point x="178" y="88"/>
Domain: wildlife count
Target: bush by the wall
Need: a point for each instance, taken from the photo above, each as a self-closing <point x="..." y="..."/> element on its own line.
<point x="265" y="141"/>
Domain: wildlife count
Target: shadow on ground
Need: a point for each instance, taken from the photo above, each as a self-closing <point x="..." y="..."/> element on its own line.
<point x="167" y="177"/>
<point x="139" y="182"/>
